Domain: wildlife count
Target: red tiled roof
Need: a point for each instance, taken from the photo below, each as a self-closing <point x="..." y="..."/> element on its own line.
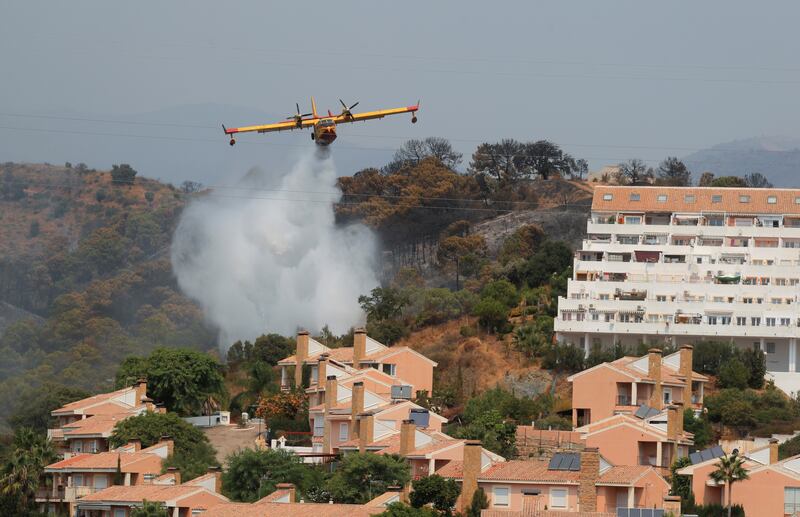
<point x="159" y="493"/>
<point x="108" y="460"/>
<point x="83" y="403"/>
<point x="98" y="424"/>
<point x="536" y="471"/>
<point x="785" y="200"/>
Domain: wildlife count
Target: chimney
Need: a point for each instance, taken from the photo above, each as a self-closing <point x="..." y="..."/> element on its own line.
<point x="141" y="391"/>
<point x="300" y="355"/>
<point x="773" y="451"/>
<point x="672" y="423"/>
<point x="356" y="407"/>
<point x="407" y="442"/>
<point x="679" y="416"/>
<point x="169" y="442"/>
<point x="366" y="426"/>
<point x="654" y="372"/>
<point x="359" y="346"/>
<point x="331" y="392"/>
<point x="685" y="371"/>
<point x="322" y="368"/>
<point x="289" y="487"/>
<point x="471" y="471"/>
<point x="217" y="472"/>
<point x="590" y="473"/>
<point x="136" y="444"/>
<point x="176" y="473"/>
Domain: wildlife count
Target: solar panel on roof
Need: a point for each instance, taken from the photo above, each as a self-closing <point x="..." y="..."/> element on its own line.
<point x="706" y="454"/>
<point x="641" y="411"/>
<point x="565" y="461"/>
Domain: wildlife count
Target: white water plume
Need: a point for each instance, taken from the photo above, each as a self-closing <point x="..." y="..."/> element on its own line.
<point x="269" y="257"/>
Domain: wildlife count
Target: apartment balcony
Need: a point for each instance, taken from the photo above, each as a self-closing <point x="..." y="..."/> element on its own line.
<point x="63" y="494"/>
<point x="691" y="230"/>
<point x="674" y="329"/>
<point x="627" y="402"/>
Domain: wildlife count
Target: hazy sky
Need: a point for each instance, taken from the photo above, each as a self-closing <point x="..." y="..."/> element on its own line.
<point x="608" y="80"/>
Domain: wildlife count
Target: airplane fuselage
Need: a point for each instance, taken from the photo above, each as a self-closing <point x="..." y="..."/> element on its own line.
<point x="324" y="132"/>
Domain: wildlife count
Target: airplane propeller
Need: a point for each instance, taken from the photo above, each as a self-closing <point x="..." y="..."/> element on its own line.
<point x="346" y="111"/>
<point x="298" y="118"/>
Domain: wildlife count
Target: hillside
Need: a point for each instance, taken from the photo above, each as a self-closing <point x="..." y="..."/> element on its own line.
<point x="84" y="277"/>
<point x="778" y="158"/>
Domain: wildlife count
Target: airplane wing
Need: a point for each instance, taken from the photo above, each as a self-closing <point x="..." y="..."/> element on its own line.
<point x="369" y="115"/>
<point x="287" y="125"/>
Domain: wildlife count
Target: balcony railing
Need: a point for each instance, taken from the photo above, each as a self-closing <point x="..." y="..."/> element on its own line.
<point x="626" y="400"/>
<point x="67" y="494"/>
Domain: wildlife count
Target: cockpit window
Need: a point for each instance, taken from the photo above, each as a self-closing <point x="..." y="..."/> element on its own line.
<point x="326" y="122"/>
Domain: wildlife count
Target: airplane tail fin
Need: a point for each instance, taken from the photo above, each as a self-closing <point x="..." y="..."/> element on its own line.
<point x="313" y="108"/>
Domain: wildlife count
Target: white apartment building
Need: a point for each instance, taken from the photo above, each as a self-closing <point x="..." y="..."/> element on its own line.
<point x="686" y="264"/>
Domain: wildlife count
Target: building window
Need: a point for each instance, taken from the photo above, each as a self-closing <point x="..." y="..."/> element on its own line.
<point x="608" y="197"/>
<point x="785" y="322"/>
<point x="558" y="498"/>
<point x="667" y="395"/>
<point x="712" y="320"/>
<point x="776" y="301"/>
<point x="741" y="321"/>
<point x="319" y="426"/>
<point x="755" y="321"/>
<point x="344" y="431"/>
<point x="716" y="198"/>
<point x="77" y="480"/>
<point x="500" y="496"/>
<point x="635" y="197"/>
<point x="119" y="512"/>
<point x="635" y="219"/>
<point x="770" y="348"/>
<point x="791" y="500"/>
<point x="688" y="198"/>
<point x="797" y="201"/>
<point x="772" y="200"/>
<point x="390" y="369"/>
<point x="661" y="298"/>
<point x="744" y="199"/>
<point x="661" y="198"/>
<point x="770" y="322"/>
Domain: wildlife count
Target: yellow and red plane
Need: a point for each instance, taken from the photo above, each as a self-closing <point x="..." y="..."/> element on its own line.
<point x="323" y="128"/>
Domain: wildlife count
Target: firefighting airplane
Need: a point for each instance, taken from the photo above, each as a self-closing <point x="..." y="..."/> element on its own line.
<point x="323" y="127"/>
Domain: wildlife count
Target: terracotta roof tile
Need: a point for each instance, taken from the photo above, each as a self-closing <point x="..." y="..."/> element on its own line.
<point x="83" y="403"/>
<point x="292" y="510"/>
<point x="128" y="461"/>
<point x="623" y="474"/>
<point x="98" y="424"/>
<point x="159" y="493"/>
<point x="786" y="200"/>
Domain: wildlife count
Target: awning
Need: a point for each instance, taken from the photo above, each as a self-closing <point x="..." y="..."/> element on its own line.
<point x="647" y="256"/>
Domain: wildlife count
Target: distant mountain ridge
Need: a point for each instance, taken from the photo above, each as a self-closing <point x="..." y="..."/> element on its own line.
<point x="776" y="157"/>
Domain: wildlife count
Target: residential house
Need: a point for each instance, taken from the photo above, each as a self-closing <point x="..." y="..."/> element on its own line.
<point x="427" y="450"/>
<point x="621" y="386"/>
<point x="335" y="421"/>
<point x="86" y="425"/>
<point x="82" y="474"/>
<point x="188" y="499"/>
<point x="772" y="488"/>
<point x="398" y="362"/>
<point x="568" y="482"/>
<point x="651" y="437"/>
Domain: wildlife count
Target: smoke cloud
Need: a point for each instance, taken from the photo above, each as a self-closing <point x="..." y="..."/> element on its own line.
<point x="275" y="264"/>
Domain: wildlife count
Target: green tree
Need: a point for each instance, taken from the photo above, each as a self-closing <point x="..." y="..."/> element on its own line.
<point x="30" y="453"/>
<point x="404" y="510"/>
<point x="757" y="180"/>
<point x="479" y="503"/>
<point x="756" y="363"/>
<point x="414" y="151"/>
<point x="437" y="491"/>
<point x="728" y="182"/>
<point x="681" y="485"/>
<point x="361" y="477"/>
<point x="33" y="408"/>
<point x="182" y="379"/>
<point x="494" y="432"/>
<point x="150" y="509"/>
<point x="673" y="172"/>
<point x="492" y="315"/>
<point x="501" y="290"/>
<point x="699" y="427"/>
<point x="193" y="453"/>
<point x="253" y="474"/>
<point x="123" y="174"/>
<point x="383" y="303"/>
<point x="730" y="469"/>
<point x="733" y="374"/>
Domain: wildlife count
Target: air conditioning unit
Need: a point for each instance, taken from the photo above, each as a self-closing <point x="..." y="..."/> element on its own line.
<point x="401" y="392"/>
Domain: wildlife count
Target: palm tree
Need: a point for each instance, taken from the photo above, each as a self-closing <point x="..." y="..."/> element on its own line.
<point x="730" y="469"/>
<point x="31" y="453"/>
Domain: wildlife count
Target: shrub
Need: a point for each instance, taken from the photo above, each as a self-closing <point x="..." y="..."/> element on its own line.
<point x="492" y="315"/>
<point x="733" y="374"/>
<point x="501" y="290"/>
